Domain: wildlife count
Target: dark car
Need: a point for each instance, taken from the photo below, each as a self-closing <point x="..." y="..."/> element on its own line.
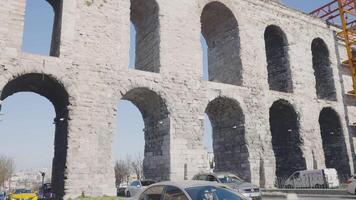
<point x="121" y="192"/>
<point x="46" y="192"/>
<point x="249" y="190"/>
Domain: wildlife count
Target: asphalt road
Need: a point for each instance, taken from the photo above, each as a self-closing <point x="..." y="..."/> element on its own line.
<point x="315" y="197"/>
<point x="326" y="197"/>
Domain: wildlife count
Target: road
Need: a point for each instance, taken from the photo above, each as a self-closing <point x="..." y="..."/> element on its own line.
<point x="326" y="197"/>
<point x="314" y="197"/>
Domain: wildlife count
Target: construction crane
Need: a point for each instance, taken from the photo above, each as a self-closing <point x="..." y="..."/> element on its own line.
<point x="342" y="14"/>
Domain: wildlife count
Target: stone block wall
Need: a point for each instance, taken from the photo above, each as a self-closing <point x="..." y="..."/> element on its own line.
<point x="91" y="65"/>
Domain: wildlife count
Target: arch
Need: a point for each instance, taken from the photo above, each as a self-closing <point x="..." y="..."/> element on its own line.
<point x="54" y="91"/>
<point x="156" y="119"/>
<point x="229" y="142"/>
<point x="286" y="140"/>
<point x="278" y="67"/>
<point x="145" y="18"/>
<point x="325" y="87"/>
<point x="334" y="144"/>
<point x="54" y="29"/>
<point x="220" y="30"/>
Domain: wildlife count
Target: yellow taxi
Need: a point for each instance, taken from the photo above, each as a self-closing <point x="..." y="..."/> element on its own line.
<point x="23" y="194"/>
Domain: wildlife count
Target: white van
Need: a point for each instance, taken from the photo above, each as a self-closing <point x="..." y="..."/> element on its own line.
<point x="319" y="178"/>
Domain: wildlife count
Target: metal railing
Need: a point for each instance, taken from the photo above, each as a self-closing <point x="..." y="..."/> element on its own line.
<point x="311" y="182"/>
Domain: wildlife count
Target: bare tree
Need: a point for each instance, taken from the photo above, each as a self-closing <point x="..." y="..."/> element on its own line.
<point x="122" y="171"/>
<point x="7" y="167"/>
<point x="137" y="166"/>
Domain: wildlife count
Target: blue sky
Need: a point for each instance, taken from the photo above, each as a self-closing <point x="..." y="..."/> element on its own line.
<point x="26" y="128"/>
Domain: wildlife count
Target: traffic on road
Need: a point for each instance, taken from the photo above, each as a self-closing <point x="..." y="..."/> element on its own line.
<point x="214" y="186"/>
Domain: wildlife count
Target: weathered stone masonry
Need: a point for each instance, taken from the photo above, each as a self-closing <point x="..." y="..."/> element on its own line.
<point x="275" y="74"/>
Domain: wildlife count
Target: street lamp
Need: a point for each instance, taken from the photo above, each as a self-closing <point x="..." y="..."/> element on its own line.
<point x="230" y="127"/>
<point x="43" y="174"/>
<point x="1" y="114"/>
<point x="57" y="120"/>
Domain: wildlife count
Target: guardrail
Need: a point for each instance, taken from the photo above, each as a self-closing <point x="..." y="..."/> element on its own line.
<point x="308" y="182"/>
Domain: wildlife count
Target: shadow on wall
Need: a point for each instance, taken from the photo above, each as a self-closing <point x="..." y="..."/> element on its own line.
<point x="279" y="73"/>
<point x="286" y="140"/>
<point x="325" y="87"/>
<point x="221" y="33"/>
<point x="144" y="17"/>
<point x="334" y="144"/>
<point x="229" y="142"/>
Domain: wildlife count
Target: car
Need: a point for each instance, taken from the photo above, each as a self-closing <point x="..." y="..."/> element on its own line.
<point x="21" y="194"/>
<point x="351" y="185"/>
<point x="136" y="186"/>
<point x="188" y="190"/>
<point x="318" y="178"/>
<point x="2" y="196"/>
<point x="249" y="190"/>
<point x="121" y="191"/>
<point x="46" y="192"/>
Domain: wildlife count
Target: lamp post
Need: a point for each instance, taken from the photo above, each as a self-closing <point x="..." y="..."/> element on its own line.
<point x="1" y="114"/>
<point x="43" y="174"/>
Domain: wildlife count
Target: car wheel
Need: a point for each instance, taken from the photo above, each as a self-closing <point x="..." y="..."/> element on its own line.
<point x="128" y="194"/>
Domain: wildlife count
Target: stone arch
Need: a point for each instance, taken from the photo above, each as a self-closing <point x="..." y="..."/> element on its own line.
<point x="54" y="91"/>
<point x="286" y="140"/>
<point x="325" y="87"/>
<point x="56" y="27"/>
<point x="220" y="29"/>
<point x="278" y="66"/>
<point x="156" y="119"/>
<point x="145" y="18"/>
<point x="334" y="145"/>
<point x="229" y="142"/>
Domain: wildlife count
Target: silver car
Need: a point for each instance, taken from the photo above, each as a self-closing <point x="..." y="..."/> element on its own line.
<point x="136" y="186"/>
<point x="188" y="190"/>
<point x="249" y="190"/>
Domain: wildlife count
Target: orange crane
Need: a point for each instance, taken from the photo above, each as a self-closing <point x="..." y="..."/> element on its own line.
<point x="342" y="13"/>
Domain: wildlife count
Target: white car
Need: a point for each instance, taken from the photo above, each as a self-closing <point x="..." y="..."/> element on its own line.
<point x="351" y="187"/>
<point x="188" y="190"/>
<point x="136" y="186"/>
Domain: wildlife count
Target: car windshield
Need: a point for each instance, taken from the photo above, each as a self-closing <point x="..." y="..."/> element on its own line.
<point x="230" y="179"/>
<point x="21" y="191"/>
<point x="211" y="193"/>
<point x="147" y="183"/>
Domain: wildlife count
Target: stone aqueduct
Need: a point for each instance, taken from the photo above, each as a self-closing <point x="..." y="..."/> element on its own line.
<point x="276" y="95"/>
